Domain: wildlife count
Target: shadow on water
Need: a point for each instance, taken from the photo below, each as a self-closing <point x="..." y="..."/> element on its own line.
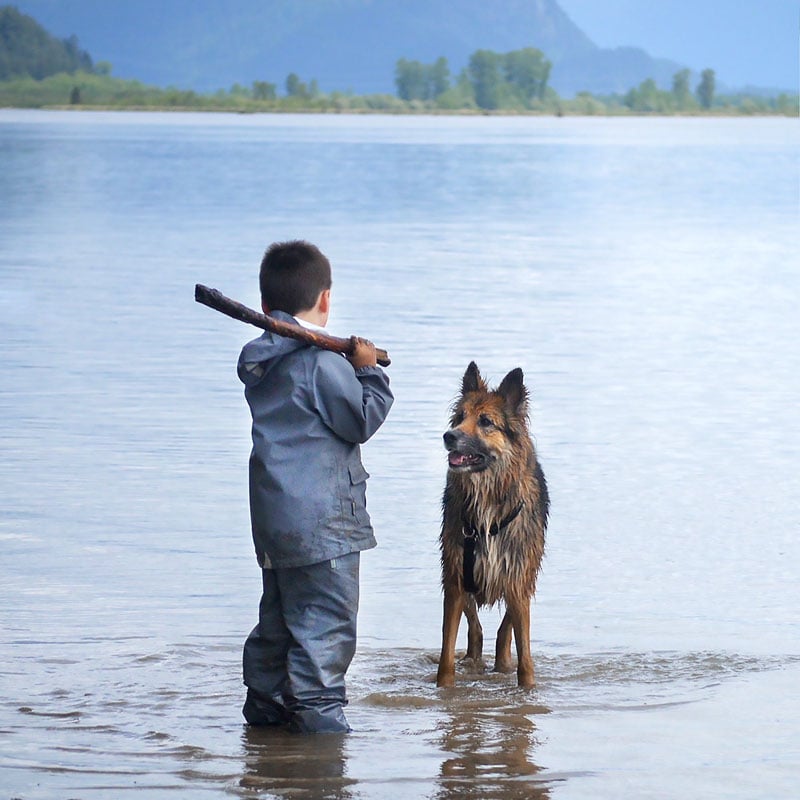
<point x="289" y="765"/>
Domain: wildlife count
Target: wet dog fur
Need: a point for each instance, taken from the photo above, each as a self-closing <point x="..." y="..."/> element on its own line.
<point x="492" y="473"/>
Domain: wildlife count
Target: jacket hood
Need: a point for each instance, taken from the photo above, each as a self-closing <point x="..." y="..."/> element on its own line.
<point x="258" y="356"/>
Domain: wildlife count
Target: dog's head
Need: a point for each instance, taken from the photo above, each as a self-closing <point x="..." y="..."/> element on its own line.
<point x="486" y="425"/>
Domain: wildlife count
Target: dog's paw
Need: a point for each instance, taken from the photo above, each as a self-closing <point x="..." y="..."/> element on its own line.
<point x="473" y="666"/>
<point x="445" y="681"/>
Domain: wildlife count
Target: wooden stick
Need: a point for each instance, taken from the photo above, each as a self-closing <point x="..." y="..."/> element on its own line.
<point x="213" y="298"/>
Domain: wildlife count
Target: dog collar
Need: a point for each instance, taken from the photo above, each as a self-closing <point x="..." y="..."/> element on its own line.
<point x="471" y="531"/>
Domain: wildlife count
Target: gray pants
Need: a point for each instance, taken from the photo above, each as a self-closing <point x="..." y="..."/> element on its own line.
<point x="296" y="658"/>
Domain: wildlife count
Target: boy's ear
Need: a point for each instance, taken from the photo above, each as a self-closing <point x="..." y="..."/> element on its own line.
<point x="472" y="380"/>
<point x="324" y="301"/>
<point x="512" y="390"/>
<point x="264" y="307"/>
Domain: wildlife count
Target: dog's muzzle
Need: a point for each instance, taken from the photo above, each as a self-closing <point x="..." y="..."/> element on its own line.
<point x="462" y="455"/>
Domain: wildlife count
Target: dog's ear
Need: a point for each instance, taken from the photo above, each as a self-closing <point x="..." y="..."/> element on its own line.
<point x="512" y="390"/>
<point x="472" y="380"/>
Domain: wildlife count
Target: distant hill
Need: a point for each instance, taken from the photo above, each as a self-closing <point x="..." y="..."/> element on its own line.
<point x="27" y="49"/>
<point x="746" y="42"/>
<point x="343" y="44"/>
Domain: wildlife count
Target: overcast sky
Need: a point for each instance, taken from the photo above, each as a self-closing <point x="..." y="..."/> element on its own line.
<point x="744" y="41"/>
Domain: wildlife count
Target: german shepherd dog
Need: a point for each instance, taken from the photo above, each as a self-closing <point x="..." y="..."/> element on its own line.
<point x="494" y="516"/>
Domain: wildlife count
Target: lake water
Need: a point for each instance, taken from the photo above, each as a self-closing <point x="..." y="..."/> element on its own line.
<point x="644" y="273"/>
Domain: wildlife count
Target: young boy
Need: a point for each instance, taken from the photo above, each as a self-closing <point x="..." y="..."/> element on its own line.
<point x="311" y="410"/>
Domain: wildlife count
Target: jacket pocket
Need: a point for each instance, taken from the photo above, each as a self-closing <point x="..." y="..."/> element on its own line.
<point x="358" y="491"/>
<point x="357" y="474"/>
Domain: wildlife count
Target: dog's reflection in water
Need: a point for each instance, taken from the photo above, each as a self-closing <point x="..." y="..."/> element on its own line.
<point x="489" y="742"/>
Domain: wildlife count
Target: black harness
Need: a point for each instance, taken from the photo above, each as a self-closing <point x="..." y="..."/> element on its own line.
<point x="471" y="535"/>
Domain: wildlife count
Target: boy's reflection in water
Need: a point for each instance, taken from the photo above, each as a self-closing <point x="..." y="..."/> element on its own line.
<point x="298" y="766"/>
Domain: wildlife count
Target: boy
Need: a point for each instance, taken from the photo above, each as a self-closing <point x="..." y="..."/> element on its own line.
<point x="311" y="410"/>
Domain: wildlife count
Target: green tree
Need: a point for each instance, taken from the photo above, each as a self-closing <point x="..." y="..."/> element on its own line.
<point x="680" y="89"/>
<point x="647" y="97"/>
<point x="417" y="81"/>
<point x="295" y="87"/>
<point x="459" y="95"/>
<point x="527" y="71"/>
<point x="706" y="88"/>
<point x="787" y="104"/>
<point x="411" y="80"/>
<point x="237" y="91"/>
<point x="438" y="77"/>
<point x="264" y="90"/>
<point x="484" y="70"/>
<point x="79" y="57"/>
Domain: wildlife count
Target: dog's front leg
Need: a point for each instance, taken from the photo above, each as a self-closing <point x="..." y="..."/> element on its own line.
<point x="453" y="609"/>
<point x="474" y="630"/>
<point x="520" y="611"/>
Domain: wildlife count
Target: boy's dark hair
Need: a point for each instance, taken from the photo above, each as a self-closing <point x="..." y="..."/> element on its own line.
<point x="292" y="276"/>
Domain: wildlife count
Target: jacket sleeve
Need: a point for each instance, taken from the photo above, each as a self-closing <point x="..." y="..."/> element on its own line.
<point x="353" y="404"/>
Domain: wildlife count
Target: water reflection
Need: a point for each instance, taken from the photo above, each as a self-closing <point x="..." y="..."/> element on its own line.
<point x="478" y="740"/>
<point x="297" y="766"/>
<point x="489" y="746"/>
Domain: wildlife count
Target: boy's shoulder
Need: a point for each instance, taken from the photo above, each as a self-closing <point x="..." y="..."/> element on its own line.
<point x="329" y="366"/>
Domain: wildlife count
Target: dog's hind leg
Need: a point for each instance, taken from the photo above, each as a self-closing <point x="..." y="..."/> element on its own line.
<point x="454" y="601"/>
<point x="474" y="630"/>
<point x="502" y="653"/>
<point x="520" y="611"/>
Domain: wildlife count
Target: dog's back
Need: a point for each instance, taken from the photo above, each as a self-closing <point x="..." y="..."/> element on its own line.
<point x="495" y="503"/>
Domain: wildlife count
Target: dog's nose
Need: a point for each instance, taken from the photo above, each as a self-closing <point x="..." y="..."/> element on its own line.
<point x="450" y="439"/>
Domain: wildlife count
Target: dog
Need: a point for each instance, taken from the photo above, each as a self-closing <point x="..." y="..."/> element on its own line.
<point x="494" y="517"/>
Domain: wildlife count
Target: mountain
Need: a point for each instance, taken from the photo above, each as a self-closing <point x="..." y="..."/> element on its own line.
<point x="343" y="44"/>
<point x="27" y="49"/>
<point x="747" y="42"/>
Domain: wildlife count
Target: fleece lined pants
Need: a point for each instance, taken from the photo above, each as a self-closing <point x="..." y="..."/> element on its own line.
<point x="296" y="658"/>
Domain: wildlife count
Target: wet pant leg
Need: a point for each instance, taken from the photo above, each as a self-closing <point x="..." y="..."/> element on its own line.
<point x="264" y="658"/>
<point x="320" y="607"/>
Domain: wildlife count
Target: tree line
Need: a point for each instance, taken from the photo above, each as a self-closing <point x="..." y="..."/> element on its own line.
<point x="518" y="81"/>
<point x="490" y="81"/>
<point x="647" y="97"/>
<point x="36" y="70"/>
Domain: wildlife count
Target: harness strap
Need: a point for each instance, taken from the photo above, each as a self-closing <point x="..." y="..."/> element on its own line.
<point x="468" y="576"/>
<point x="471" y="534"/>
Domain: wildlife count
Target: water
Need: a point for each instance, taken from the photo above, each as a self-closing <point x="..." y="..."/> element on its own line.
<point x="642" y="272"/>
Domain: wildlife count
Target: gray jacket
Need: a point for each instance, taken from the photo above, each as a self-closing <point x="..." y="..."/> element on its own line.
<point x="311" y="411"/>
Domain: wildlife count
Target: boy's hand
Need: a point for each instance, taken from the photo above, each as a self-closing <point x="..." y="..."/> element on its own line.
<point x="363" y="354"/>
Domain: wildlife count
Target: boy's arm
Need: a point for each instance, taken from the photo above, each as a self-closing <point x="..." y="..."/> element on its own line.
<point x="352" y="400"/>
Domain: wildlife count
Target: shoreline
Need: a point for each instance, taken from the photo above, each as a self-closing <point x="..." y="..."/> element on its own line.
<point x="461" y="112"/>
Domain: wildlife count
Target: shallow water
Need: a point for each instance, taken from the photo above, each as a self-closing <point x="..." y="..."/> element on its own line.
<point x="644" y="275"/>
<point x="661" y="724"/>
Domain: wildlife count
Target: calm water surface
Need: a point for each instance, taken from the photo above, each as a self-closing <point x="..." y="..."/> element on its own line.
<point x="643" y="273"/>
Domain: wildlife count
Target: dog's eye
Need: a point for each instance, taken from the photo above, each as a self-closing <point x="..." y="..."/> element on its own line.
<point x="458" y="418"/>
<point x="485" y="422"/>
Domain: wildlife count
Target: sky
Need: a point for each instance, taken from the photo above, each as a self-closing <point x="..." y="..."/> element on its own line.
<point x="746" y="42"/>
